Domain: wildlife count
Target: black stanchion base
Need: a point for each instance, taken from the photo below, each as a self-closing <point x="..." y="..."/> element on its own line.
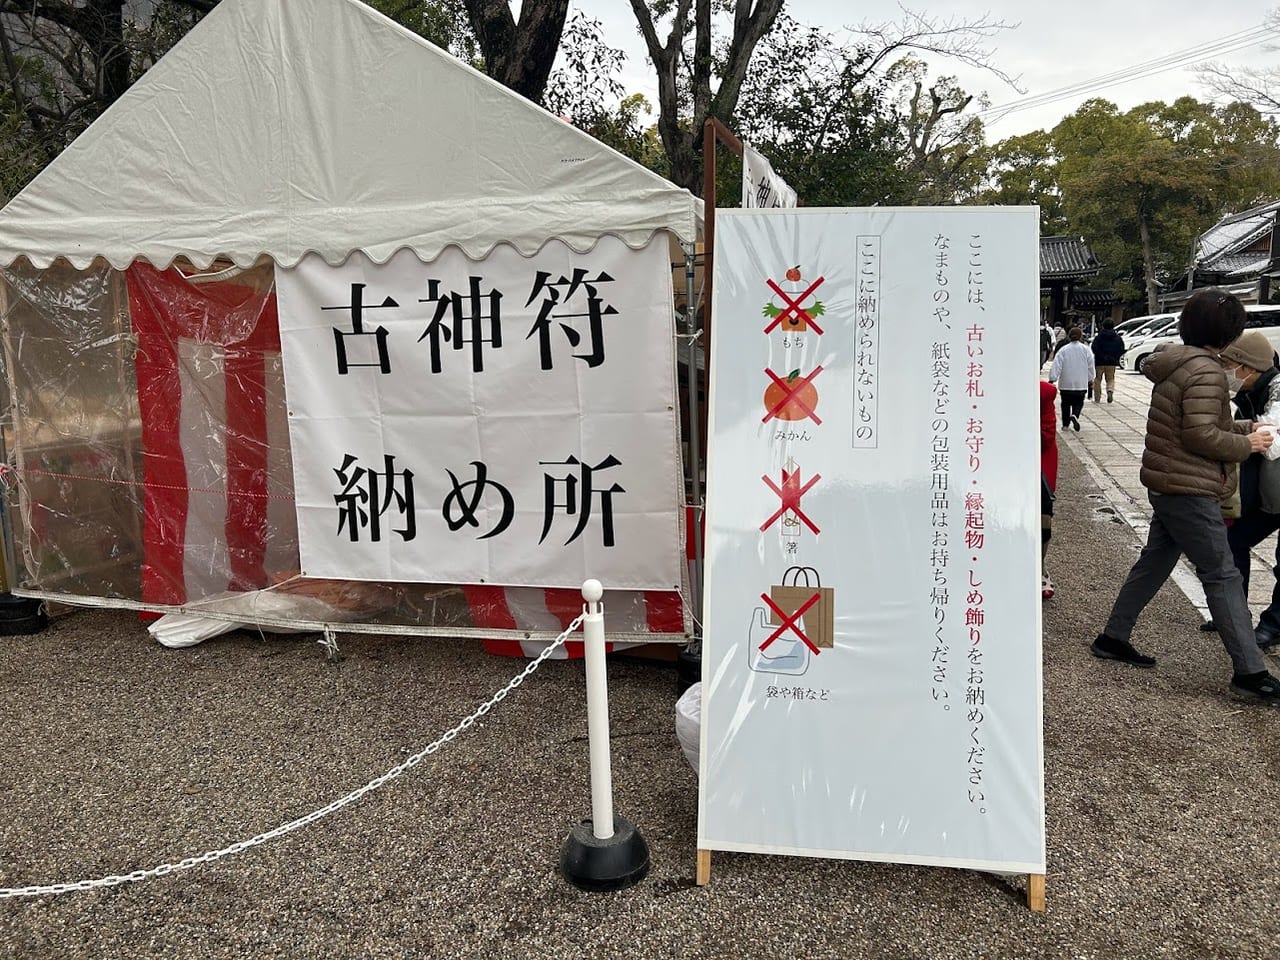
<point x="21" y="615"/>
<point x="603" y="865"/>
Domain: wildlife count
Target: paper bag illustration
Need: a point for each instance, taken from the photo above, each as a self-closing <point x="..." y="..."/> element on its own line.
<point x="798" y="588"/>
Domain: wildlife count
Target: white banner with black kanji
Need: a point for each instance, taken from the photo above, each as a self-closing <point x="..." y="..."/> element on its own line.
<point x="762" y="186"/>
<point x="508" y="421"/>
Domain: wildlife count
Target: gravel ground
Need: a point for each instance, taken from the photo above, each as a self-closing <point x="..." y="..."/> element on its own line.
<point x="119" y="754"/>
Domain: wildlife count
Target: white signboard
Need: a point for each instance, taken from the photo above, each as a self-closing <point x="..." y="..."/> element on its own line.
<point x="871" y="659"/>
<point x="761" y="185"/>
<point x="510" y="421"/>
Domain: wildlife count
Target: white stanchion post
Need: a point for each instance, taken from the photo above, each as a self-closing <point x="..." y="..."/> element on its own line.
<point x="597" y="712"/>
<point x="605" y="852"/>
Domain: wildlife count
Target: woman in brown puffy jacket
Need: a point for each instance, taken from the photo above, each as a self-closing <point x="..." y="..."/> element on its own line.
<point x="1188" y="467"/>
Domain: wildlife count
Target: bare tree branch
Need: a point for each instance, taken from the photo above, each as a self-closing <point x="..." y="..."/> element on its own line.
<point x="1260" y="87"/>
<point x="956" y="38"/>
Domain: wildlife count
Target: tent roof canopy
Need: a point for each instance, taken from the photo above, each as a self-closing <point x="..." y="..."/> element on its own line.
<point x="283" y="127"/>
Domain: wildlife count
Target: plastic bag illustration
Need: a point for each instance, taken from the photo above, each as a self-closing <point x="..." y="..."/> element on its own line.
<point x="787" y="654"/>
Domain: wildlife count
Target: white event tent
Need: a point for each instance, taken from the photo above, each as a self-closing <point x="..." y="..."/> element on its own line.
<point x="273" y="130"/>
<point x="282" y="127"/>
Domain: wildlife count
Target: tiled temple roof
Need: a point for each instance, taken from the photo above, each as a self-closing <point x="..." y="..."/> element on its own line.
<point x="1066" y="258"/>
<point x="1223" y="248"/>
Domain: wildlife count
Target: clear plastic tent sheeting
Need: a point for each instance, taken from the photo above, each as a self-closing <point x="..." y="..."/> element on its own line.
<point x="150" y="448"/>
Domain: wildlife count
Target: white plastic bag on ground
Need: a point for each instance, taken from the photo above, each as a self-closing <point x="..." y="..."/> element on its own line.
<point x="689" y="723"/>
<point x="177" y="630"/>
<point x="308" y="602"/>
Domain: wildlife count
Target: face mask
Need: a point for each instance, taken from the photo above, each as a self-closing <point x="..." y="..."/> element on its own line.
<point x="1234" y="383"/>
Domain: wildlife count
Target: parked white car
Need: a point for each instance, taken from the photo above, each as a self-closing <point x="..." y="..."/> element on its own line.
<point x="1262" y="317"/>
<point x="1155" y="325"/>
<point x="1129" y="328"/>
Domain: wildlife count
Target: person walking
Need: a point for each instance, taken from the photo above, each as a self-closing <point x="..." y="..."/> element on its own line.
<point x="1072" y="371"/>
<point x="1108" y="348"/>
<point x="1188" y="466"/>
<point x="1048" y="480"/>
<point x="1046" y="342"/>
<point x="1059" y="338"/>
<point x="1249" y="363"/>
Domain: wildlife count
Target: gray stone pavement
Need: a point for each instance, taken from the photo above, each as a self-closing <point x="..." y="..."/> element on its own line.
<point x="117" y="753"/>
<point x="1109" y="445"/>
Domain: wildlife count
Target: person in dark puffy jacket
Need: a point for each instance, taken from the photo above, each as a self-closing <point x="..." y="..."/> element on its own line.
<point x="1108" y="348"/>
<point x="1189" y="466"/>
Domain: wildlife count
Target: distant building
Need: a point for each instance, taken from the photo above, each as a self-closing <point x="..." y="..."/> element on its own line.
<point x="1240" y="253"/>
<point x="1065" y="264"/>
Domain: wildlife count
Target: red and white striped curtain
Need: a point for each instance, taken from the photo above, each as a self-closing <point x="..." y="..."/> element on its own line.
<point x="217" y="478"/>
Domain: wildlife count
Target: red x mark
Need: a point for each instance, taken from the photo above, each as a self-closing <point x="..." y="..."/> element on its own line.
<point x="793" y="307"/>
<point x="789" y="621"/>
<point x="789" y="390"/>
<point x="791" y="492"/>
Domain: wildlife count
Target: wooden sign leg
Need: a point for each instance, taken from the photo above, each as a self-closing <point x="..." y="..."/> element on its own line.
<point x="1035" y="892"/>
<point x="703" y="876"/>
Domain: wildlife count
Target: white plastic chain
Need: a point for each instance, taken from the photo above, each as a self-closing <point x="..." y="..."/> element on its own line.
<point x="280" y="831"/>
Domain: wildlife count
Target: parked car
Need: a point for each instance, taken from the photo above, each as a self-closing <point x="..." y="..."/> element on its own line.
<point x="1125" y="327"/>
<point x="1262" y="317"/>
<point x="1148" y="321"/>
<point x="1155" y="325"/>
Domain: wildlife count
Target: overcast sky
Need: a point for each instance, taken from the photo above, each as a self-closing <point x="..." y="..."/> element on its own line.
<point x="1055" y="45"/>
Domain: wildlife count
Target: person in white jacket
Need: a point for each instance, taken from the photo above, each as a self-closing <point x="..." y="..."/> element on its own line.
<point x="1072" y="371"/>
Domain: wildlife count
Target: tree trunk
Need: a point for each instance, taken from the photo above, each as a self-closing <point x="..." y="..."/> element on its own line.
<point x="519" y="55"/>
<point x="1149" y="265"/>
<point x="701" y="63"/>
<point x="681" y="133"/>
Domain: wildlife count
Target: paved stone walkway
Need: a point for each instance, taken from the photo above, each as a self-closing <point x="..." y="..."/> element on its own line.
<point x="1109" y="444"/>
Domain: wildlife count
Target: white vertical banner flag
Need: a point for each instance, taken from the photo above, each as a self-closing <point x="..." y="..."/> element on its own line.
<point x="761" y="185"/>
<point x="509" y="421"/>
<point x="872" y="612"/>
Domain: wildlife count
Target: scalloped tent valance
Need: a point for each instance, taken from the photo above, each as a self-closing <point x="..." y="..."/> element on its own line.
<point x="288" y="127"/>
